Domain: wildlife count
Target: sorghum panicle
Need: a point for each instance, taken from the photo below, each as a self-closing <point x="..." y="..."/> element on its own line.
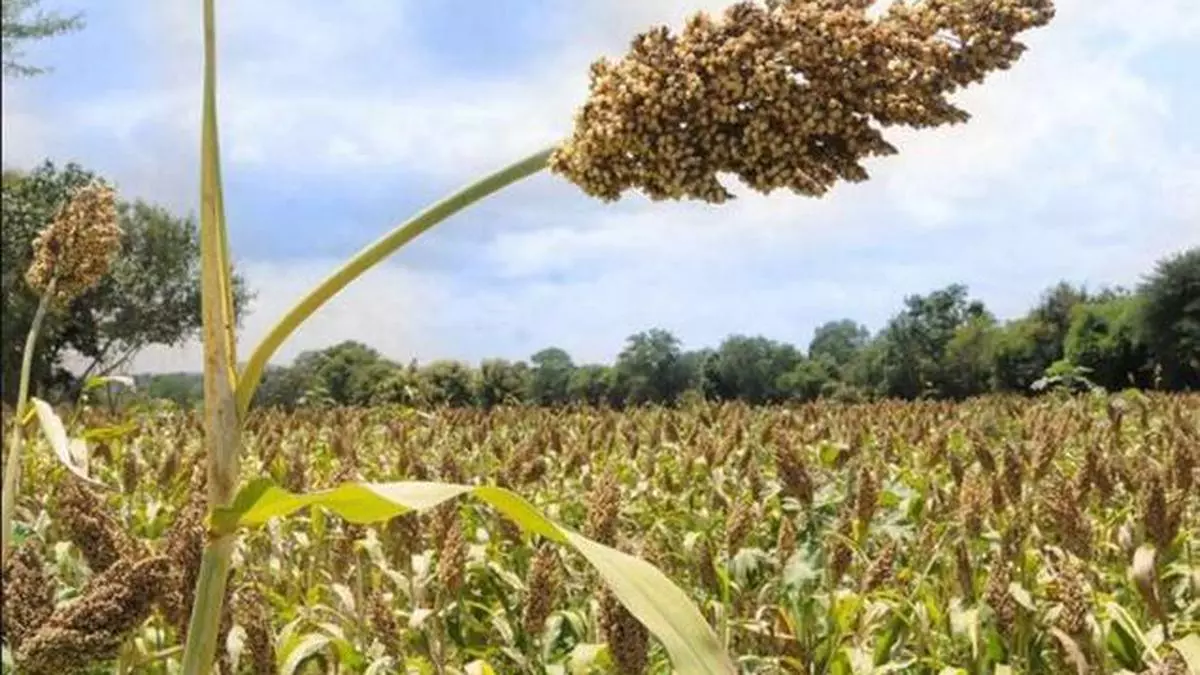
<point x="628" y="641"/>
<point x="92" y="628"/>
<point x="604" y="504"/>
<point x="253" y="614"/>
<point x="79" y="246"/>
<point x="542" y="584"/>
<point x="452" y="561"/>
<point x="101" y="539"/>
<point x="792" y="473"/>
<point x="28" y="595"/>
<point x="790" y="95"/>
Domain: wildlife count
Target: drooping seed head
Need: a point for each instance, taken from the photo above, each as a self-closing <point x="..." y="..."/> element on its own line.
<point x="92" y="629"/>
<point x="79" y="246"/>
<point x="544" y="579"/>
<point x="28" y="595"/>
<point x="790" y="95"/>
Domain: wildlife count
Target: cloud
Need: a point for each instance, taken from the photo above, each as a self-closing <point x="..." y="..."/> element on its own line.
<point x="1072" y="167"/>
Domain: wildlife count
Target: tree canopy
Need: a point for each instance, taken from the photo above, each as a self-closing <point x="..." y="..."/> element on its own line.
<point x="21" y="22"/>
<point x="151" y="296"/>
<point x="943" y="344"/>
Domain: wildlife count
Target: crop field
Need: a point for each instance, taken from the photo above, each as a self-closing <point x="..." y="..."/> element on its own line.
<point x="1041" y="536"/>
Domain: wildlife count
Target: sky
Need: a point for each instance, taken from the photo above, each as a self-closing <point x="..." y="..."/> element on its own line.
<point x="339" y="120"/>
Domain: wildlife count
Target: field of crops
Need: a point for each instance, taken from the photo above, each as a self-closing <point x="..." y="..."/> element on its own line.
<point x="1048" y="536"/>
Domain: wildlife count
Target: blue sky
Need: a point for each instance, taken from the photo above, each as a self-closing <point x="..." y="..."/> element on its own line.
<point x="340" y="119"/>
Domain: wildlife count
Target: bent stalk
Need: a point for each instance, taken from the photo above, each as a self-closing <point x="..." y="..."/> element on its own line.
<point x="372" y="255"/>
<point x="12" y="468"/>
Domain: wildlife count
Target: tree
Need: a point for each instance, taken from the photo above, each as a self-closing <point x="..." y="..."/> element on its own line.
<point x="449" y="383"/>
<point x="969" y="361"/>
<point x="501" y="382"/>
<point x="551" y="377"/>
<point x="1170" y="318"/>
<point x="651" y="368"/>
<point x="18" y="25"/>
<point x="591" y="384"/>
<point x="915" y="341"/>
<point x="1104" y="338"/>
<point x="839" y="341"/>
<point x="750" y="369"/>
<point x="150" y="297"/>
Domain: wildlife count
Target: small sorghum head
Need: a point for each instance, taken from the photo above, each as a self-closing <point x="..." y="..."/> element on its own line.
<point x="79" y="246"/>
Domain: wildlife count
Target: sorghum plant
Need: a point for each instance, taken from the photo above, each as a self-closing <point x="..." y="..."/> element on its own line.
<point x="791" y="94"/>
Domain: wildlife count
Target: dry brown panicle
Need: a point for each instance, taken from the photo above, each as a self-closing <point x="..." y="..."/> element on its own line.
<point x="604" y="507"/>
<point x="1161" y="516"/>
<point x="545" y="577"/>
<point x="91" y="629"/>
<point x="879" y="574"/>
<point x="628" y="641"/>
<point x="253" y="614"/>
<point x="797" y="482"/>
<point x="997" y="597"/>
<point x="790" y="95"/>
<point x="79" y="246"/>
<point x="102" y="540"/>
<point x="739" y="525"/>
<point x="785" y="544"/>
<point x="28" y="595"/>
<point x="452" y="561"/>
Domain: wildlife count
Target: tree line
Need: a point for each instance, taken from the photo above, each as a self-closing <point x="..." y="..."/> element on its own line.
<point x="944" y="344"/>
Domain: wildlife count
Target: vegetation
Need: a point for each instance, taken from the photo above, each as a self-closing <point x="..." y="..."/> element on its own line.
<point x="943" y="345"/>
<point x="814" y="538"/>
<point x="996" y="535"/>
<point x="150" y="297"/>
<point x="20" y="23"/>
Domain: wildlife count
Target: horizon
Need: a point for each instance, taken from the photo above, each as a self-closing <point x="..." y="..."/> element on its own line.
<point x="1079" y="165"/>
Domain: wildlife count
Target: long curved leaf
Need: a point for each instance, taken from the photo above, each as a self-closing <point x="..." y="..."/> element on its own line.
<point x="665" y="610"/>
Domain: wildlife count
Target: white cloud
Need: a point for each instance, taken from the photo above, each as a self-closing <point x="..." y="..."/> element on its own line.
<point x="1068" y="170"/>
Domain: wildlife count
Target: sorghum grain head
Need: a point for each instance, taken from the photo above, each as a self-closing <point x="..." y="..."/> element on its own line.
<point x="79" y="246"/>
<point x="790" y="95"/>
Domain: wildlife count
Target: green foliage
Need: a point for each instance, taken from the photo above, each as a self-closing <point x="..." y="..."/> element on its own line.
<point x="840" y="342"/>
<point x="1170" y="318"/>
<point x="502" y="382"/>
<point x="916" y="341"/>
<point x="551" y="376"/>
<point x="751" y="369"/>
<point x="448" y="383"/>
<point x="150" y="297"/>
<point x="20" y="22"/>
<point x="652" y="368"/>
<point x="1104" y="338"/>
<point x="591" y="384"/>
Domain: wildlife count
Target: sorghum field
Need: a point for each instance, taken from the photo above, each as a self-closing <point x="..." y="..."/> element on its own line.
<point x="1054" y="535"/>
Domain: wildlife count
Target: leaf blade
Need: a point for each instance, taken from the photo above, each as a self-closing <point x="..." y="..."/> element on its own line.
<point x="661" y="606"/>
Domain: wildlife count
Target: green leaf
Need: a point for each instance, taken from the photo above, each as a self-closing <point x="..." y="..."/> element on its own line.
<point x="480" y="667"/>
<point x="305" y="648"/>
<point x="1188" y="647"/>
<point x="97" y="381"/>
<point x="586" y="658"/>
<point x="72" y="453"/>
<point x="662" y="607"/>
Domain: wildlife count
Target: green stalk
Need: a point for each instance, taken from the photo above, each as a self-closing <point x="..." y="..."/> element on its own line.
<point x="221" y="429"/>
<point x="370" y="256"/>
<point x="12" y="468"/>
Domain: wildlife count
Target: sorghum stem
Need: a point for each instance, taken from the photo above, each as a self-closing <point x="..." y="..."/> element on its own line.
<point x="12" y="468"/>
<point x="370" y="256"/>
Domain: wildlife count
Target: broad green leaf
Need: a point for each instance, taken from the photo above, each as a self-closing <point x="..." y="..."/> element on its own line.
<point x="661" y="606"/>
<point x="1189" y="648"/>
<point x="305" y="647"/>
<point x="97" y="381"/>
<point x="71" y="453"/>
<point x="480" y="667"/>
<point x="587" y="657"/>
